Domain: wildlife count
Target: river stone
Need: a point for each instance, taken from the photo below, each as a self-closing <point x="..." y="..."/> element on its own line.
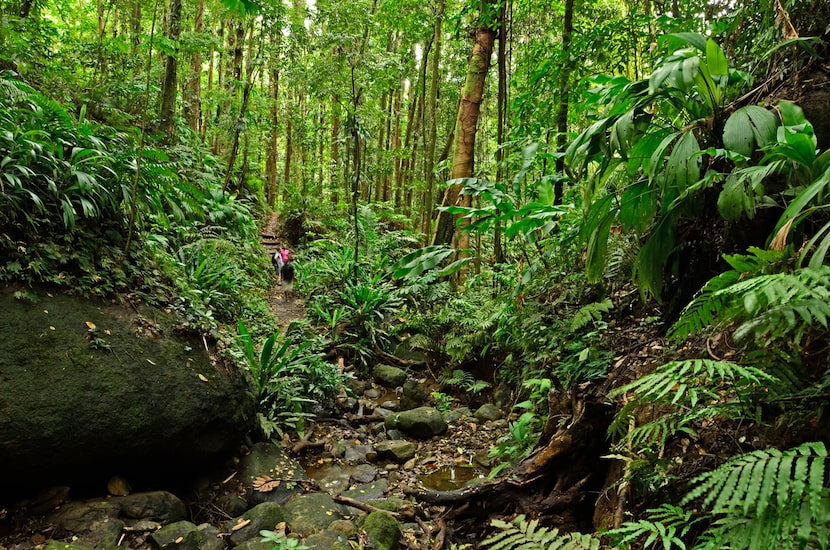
<point x="414" y="395"/>
<point x="398" y="450"/>
<point x="155" y="505"/>
<point x="389" y="376"/>
<point x="211" y="538"/>
<point x="268" y="459"/>
<point x="262" y="516"/>
<point x="382" y="530"/>
<point x="423" y="422"/>
<point x="90" y="388"/>
<point x="368" y="491"/>
<point x="488" y="411"/>
<point x="312" y="513"/>
<point x="357" y="454"/>
<point x="329" y="539"/>
<point x="255" y="544"/>
<point x="91" y="514"/>
<point x="181" y="535"/>
<point x="59" y="545"/>
<point x="105" y="535"/>
<point x="363" y="473"/>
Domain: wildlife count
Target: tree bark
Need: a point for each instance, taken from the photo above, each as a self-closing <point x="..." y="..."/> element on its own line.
<point x="193" y="86"/>
<point x="271" y="162"/>
<point x="463" y="158"/>
<point x="432" y="108"/>
<point x="501" y="108"/>
<point x="167" y="117"/>
<point x="564" y="93"/>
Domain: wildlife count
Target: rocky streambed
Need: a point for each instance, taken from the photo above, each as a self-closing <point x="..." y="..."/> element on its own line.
<point x="351" y="481"/>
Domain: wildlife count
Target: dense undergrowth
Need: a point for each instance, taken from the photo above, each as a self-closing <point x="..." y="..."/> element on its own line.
<point x="76" y="211"/>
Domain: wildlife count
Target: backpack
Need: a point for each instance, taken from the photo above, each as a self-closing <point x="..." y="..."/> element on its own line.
<point x="288" y="272"/>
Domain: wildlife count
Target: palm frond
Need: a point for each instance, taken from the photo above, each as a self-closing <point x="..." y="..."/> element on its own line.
<point x="527" y="535"/>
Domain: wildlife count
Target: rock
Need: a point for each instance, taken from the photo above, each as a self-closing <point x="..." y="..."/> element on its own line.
<point x="262" y="516"/>
<point x="211" y="539"/>
<point x="47" y="499"/>
<point x="57" y="545"/>
<point x="414" y="356"/>
<point x="155" y="505"/>
<point x="89" y="515"/>
<point x="389" y="376"/>
<point x="371" y="393"/>
<point x="312" y="513"/>
<point x="488" y="411"/>
<point x="382" y="530"/>
<point x="182" y="535"/>
<point x="363" y="473"/>
<point x="414" y="395"/>
<point x="332" y="478"/>
<point x="397" y="450"/>
<point x="256" y="544"/>
<point x="389" y="405"/>
<point x="356" y="454"/>
<point x="106" y="535"/>
<point x="89" y="386"/>
<point x="330" y="539"/>
<point x="268" y="459"/>
<point x="233" y="505"/>
<point x="423" y="422"/>
<point x="368" y="491"/>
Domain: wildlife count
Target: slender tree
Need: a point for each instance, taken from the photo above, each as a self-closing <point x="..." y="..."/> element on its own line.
<point x="467" y="121"/>
<point x="167" y="116"/>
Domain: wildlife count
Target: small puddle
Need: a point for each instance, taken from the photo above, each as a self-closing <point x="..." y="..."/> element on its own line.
<point x="449" y="478"/>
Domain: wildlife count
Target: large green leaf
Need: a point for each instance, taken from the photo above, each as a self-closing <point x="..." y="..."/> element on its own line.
<point x="716" y="59"/>
<point x="749" y="128"/>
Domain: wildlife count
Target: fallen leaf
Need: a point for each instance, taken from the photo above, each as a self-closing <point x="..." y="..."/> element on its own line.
<point x="150" y="361"/>
<point x="265" y="483"/>
<point x="51" y="327"/>
<point x="202" y="377"/>
<point x="179" y="540"/>
<point x="240" y="524"/>
<point x="91" y="325"/>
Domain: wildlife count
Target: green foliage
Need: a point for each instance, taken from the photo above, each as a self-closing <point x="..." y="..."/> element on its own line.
<point x="768" y="306"/>
<point x="464" y="380"/>
<point x="523" y="433"/>
<point x="690" y="391"/>
<point x="443" y="402"/>
<point x="281" y="541"/>
<point x="289" y="377"/>
<point x="767" y="498"/>
<point x="665" y="528"/>
<point x="590" y="313"/>
<point x="521" y="533"/>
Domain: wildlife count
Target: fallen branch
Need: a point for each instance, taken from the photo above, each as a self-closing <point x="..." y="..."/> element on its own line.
<point x="362" y="505"/>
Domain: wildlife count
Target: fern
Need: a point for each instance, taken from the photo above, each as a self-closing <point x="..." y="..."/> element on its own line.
<point x="666" y="526"/>
<point x="589" y="313"/>
<point x="691" y="391"/>
<point x="527" y="535"/>
<point x="769" y="306"/>
<point x="766" y="497"/>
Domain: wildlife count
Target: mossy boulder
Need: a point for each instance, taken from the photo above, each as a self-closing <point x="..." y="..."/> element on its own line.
<point x="99" y="386"/>
<point x="382" y="530"/>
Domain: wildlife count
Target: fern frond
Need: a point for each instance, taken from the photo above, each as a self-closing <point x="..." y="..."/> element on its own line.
<point x="665" y="526"/>
<point x="590" y="312"/>
<point x="750" y="481"/>
<point x="527" y="535"/>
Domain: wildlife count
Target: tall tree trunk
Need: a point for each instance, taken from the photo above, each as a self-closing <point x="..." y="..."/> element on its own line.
<point x="432" y="108"/>
<point x="193" y="86"/>
<point x="498" y="251"/>
<point x="135" y="26"/>
<point x="335" y="148"/>
<point x="564" y="93"/>
<point x="271" y="163"/>
<point x="468" y="114"/>
<point x="289" y="146"/>
<point x="167" y="117"/>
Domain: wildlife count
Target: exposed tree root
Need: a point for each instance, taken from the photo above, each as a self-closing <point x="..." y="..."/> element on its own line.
<point x="558" y="481"/>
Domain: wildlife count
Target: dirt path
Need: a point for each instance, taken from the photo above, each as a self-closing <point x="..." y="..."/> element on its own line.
<point x="286" y="311"/>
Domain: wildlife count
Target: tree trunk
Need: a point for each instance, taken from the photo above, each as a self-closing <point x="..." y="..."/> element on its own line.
<point x="167" y="118"/>
<point x="271" y="162"/>
<point x="193" y="86"/>
<point x="335" y="148"/>
<point x="463" y="157"/>
<point x="432" y="108"/>
<point x="501" y="108"/>
<point x="564" y="93"/>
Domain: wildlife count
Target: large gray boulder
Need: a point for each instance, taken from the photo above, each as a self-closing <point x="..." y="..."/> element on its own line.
<point x="423" y="422"/>
<point x="96" y="386"/>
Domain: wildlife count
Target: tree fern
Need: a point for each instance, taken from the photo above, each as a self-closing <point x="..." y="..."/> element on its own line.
<point x="527" y="535"/>
<point x="765" y="498"/>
